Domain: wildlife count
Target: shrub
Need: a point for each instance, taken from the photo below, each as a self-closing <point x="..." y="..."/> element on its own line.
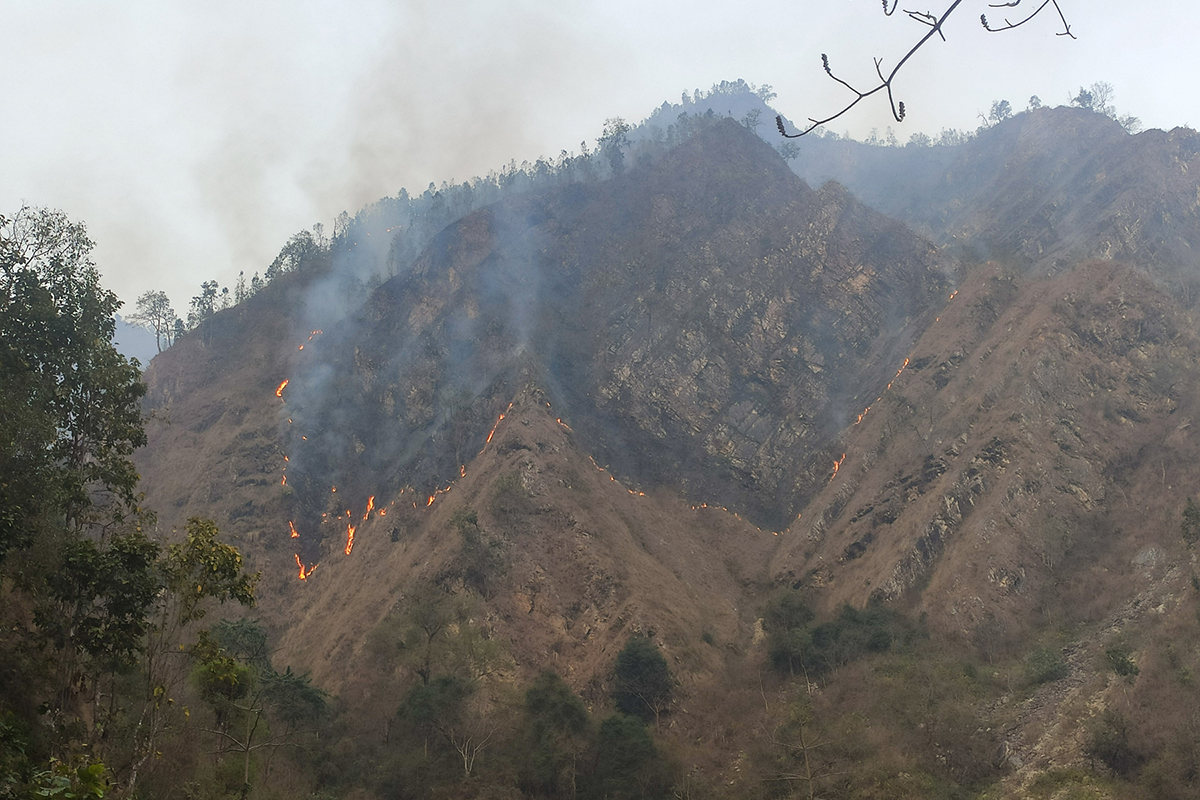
<point x="1043" y="666"/>
<point x="1120" y="662"/>
<point x="641" y="680"/>
<point x="1108" y="743"/>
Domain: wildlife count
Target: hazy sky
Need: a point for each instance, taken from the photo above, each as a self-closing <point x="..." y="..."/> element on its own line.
<point x="194" y="138"/>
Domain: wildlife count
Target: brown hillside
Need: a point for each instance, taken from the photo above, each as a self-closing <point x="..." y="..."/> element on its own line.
<point x="1038" y="439"/>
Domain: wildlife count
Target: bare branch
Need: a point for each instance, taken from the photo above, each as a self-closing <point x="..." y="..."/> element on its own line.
<point x="935" y="24"/>
<point x="1008" y="26"/>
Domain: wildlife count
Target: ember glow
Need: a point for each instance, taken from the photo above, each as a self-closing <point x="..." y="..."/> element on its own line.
<point x="370" y="507"/>
<point x="279" y="391"/>
<point x="295" y="533"/>
<point x="349" y="538"/>
<point x="283" y="481"/>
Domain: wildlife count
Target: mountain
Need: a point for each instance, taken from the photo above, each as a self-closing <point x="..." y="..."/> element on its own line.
<point x="133" y="341"/>
<point x="683" y="400"/>
<point x="1045" y="187"/>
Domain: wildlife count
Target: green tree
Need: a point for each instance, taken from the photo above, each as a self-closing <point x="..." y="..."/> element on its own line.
<point x="202" y="567"/>
<point x="196" y="572"/>
<point x="96" y="611"/>
<point x="557" y="734"/>
<point x="641" y="680"/>
<point x="154" y="312"/>
<point x="69" y="415"/>
<point x="627" y="762"/>
<point x="236" y="679"/>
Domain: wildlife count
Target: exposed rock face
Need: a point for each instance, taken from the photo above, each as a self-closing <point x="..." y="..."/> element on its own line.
<point x="1037" y="419"/>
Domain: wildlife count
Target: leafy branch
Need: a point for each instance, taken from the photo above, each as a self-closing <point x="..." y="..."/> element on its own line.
<point x="935" y="23"/>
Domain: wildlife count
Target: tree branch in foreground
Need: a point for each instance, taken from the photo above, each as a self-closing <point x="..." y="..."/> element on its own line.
<point x="934" y="23"/>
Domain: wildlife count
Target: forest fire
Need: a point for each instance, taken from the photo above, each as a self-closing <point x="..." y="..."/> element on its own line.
<point x="903" y="367"/>
<point x="370" y="507"/>
<point x="304" y="573"/>
<point x="492" y="432"/>
<point x="292" y="528"/>
<point x="279" y="391"/>
<point x="837" y="465"/>
<point x="349" y="538"/>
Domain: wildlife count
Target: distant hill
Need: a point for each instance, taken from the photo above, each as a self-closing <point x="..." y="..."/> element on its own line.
<point x="1046" y="187"/>
<point x="134" y="341"/>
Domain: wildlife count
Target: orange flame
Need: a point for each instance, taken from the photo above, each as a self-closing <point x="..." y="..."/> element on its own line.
<point x="836" y="466"/>
<point x="283" y="481"/>
<point x="383" y="512"/>
<point x="565" y="425"/>
<point x="492" y="432"/>
<point x="462" y="470"/>
<point x="279" y="391"/>
<point x="304" y="573"/>
<point x="349" y="538"/>
<point x="432" y="497"/>
<point x="333" y="489"/>
<point x="370" y="506"/>
<point x="295" y="533"/>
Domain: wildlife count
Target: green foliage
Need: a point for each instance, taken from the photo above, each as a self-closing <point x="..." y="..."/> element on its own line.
<point x="85" y="779"/>
<point x="1119" y="661"/>
<point x="555" y="735"/>
<point x="1108" y="743"/>
<point x="69" y="413"/>
<point x="203" y="567"/>
<point x="438" y="702"/>
<point x="99" y="597"/>
<point x="796" y="645"/>
<point x="641" y="680"/>
<point x="1043" y="666"/>
<point x="627" y="762"/>
<point x="1190" y="528"/>
<point x="253" y="705"/>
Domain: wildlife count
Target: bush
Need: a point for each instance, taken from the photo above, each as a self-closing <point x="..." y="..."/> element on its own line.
<point x="627" y="762"/>
<point x="1043" y="666"/>
<point x="1108" y="743"/>
<point x="1120" y="662"/>
<point x="641" y="680"/>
